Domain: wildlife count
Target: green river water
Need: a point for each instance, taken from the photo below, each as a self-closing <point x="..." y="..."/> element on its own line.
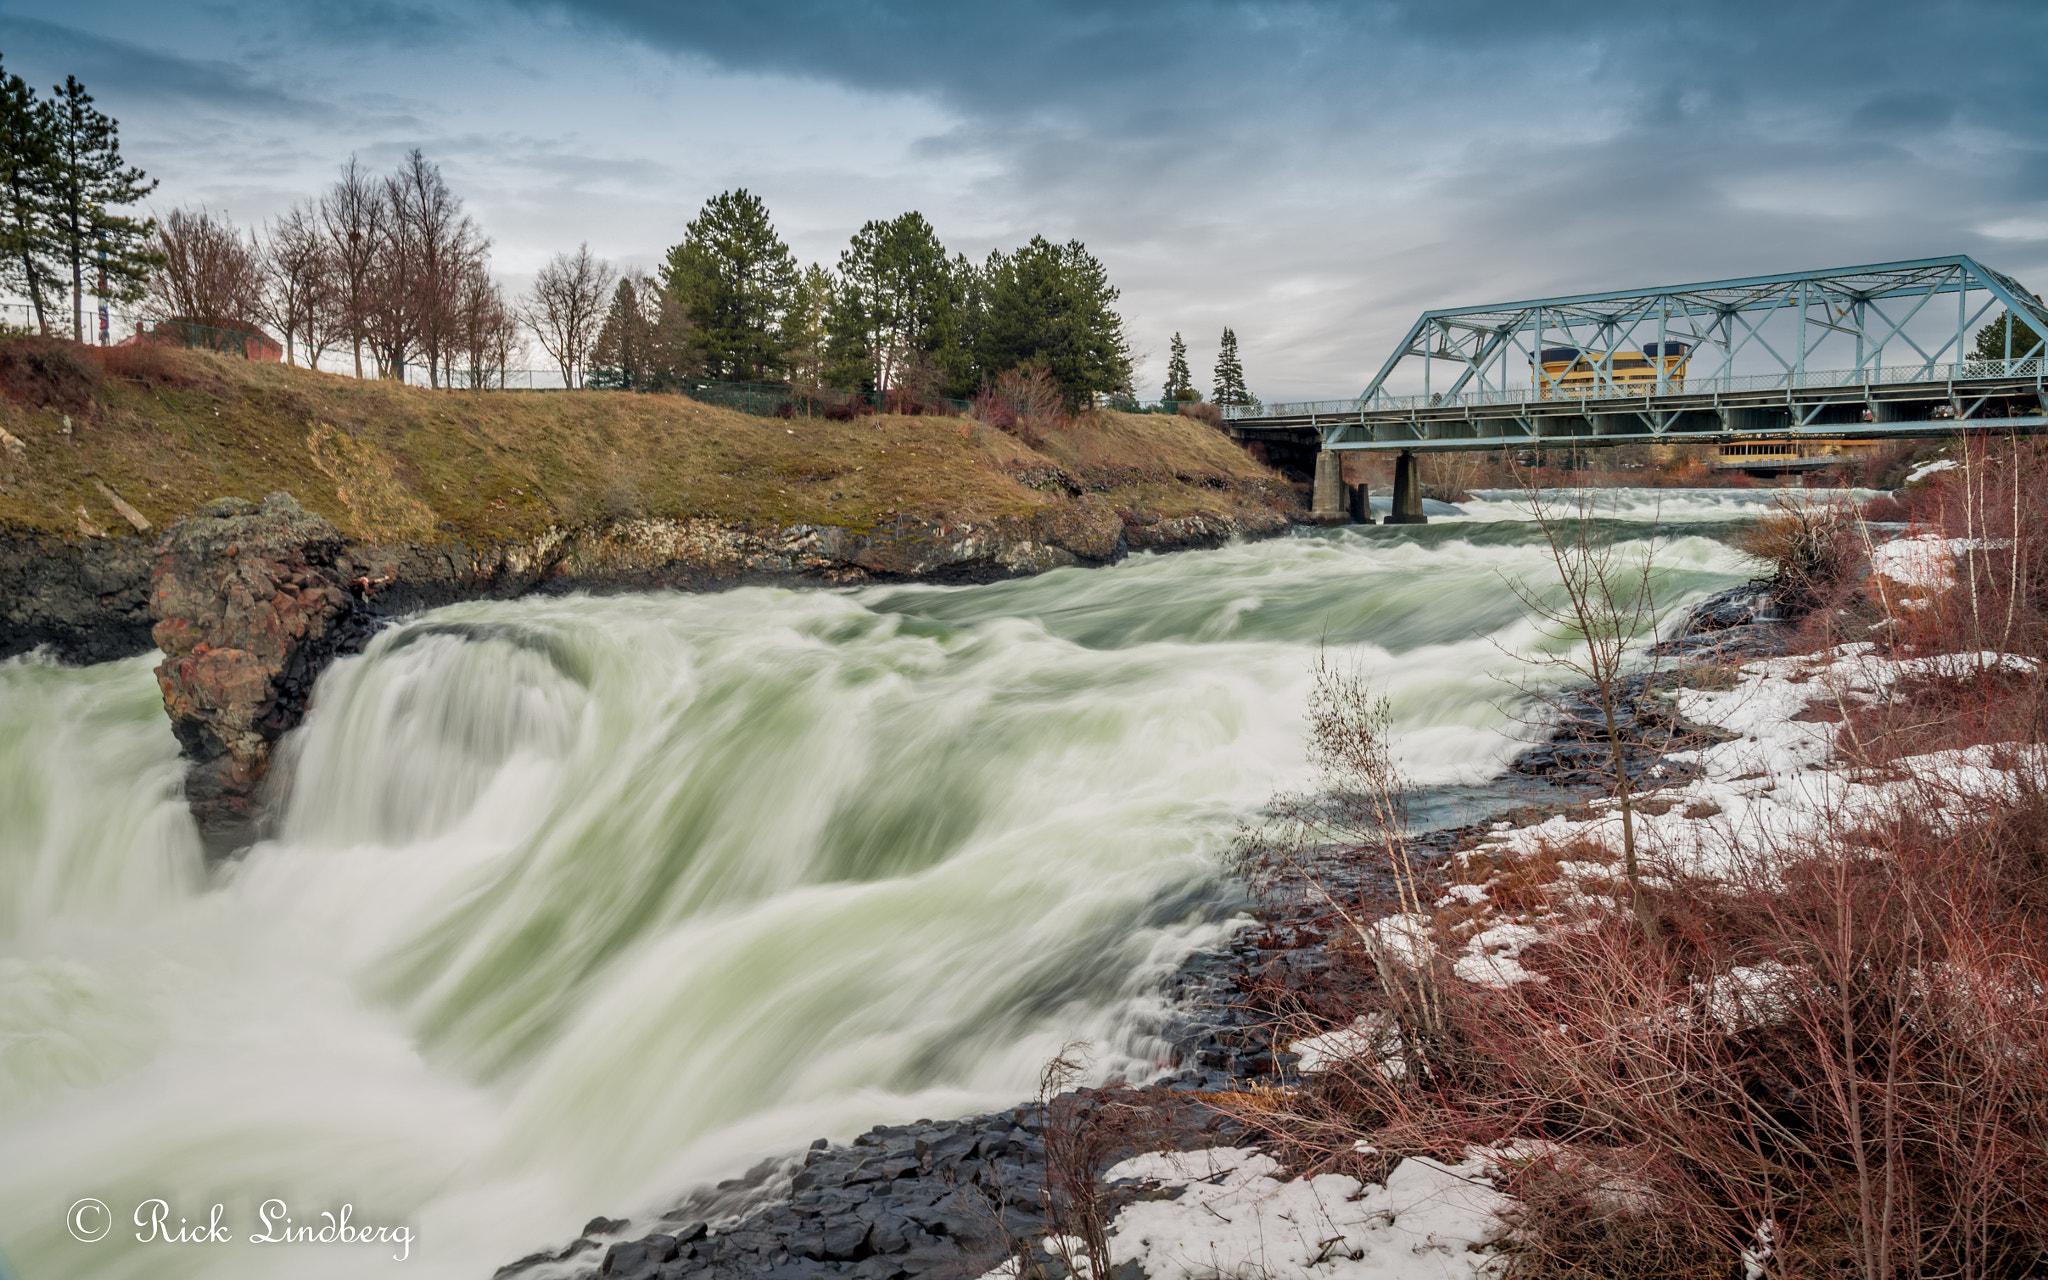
<point x="579" y="902"/>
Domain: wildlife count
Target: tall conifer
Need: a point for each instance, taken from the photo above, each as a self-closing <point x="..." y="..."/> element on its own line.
<point x="27" y="249"/>
<point x="90" y="182"/>
<point x="1051" y="305"/>
<point x="1180" y="384"/>
<point x="1994" y="343"/>
<point x="736" y="279"/>
<point x="1230" y="387"/>
<point x="897" y="291"/>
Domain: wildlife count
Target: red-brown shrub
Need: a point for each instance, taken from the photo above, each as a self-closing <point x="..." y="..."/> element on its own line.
<point x="147" y="363"/>
<point x="1847" y="1039"/>
<point x="1840" y="1040"/>
<point x="1024" y="401"/>
<point x="48" y="373"/>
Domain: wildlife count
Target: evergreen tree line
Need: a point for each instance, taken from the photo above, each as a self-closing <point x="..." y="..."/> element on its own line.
<point x="62" y="184"/>
<point x="896" y="314"/>
<point x="1228" y="384"/>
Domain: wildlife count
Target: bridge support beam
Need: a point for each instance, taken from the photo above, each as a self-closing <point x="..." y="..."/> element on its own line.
<point x="1407" y="490"/>
<point x="1356" y="495"/>
<point x="1327" y="505"/>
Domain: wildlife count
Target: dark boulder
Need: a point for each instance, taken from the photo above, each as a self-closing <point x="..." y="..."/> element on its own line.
<point x="86" y="598"/>
<point x="250" y="606"/>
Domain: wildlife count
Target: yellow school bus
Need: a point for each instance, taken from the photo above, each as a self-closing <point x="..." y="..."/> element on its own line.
<point x="1571" y="372"/>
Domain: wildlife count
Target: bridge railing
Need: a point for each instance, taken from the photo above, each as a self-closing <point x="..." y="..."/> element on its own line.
<point x="2030" y="367"/>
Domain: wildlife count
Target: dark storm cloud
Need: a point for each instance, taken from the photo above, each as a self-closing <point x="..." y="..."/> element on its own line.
<point x="1836" y="56"/>
<point x="1904" y="112"/>
<point x="143" y="73"/>
<point x="1318" y="99"/>
<point x="1008" y="51"/>
<point x="1311" y="172"/>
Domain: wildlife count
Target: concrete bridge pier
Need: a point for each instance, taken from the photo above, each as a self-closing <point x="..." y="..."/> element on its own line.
<point x="1407" y="490"/>
<point x="1327" y="505"/>
<point x="1357" y="496"/>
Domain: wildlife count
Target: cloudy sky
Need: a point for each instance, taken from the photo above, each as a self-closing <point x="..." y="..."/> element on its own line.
<point x="1313" y="174"/>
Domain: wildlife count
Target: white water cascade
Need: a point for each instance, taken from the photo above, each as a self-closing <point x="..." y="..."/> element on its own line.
<point x="577" y="903"/>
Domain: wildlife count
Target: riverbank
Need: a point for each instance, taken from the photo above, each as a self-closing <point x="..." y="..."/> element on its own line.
<point x="1779" y="1011"/>
<point x="450" y="495"/>
<point x="126" y="519"/>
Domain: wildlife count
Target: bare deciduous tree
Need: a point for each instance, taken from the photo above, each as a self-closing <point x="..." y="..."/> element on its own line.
<point x="565" y="307"/>
<point x="486" y="329"/>
<point x="1609" y="605"/>
<point x="298" y="268"/>
<point x="210" y="276"/>
<point x="391" y="323"/>
<point x="439" y="243"/>
<point x="353" y="217"/>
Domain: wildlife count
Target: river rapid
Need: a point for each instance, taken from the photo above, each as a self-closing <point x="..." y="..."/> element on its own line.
<point x="577" y="903"/>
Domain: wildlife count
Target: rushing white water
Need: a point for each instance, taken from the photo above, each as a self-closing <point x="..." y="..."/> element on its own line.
<point x="1663" y="505"/>
<point x="579" y="902"/>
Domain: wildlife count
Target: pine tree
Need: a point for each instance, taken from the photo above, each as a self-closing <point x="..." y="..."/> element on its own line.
<point x="1229" y="373"/>
<point x="806" y="329"/>
<point x="1180" y="384"/>
<point x="1991" y="339"/>
<point x="90" y="182"/>
<point x="28" y="261"/>
<point x="736" y="279"/>
<point x="618" y="357"/>
<point x="896" y="288"/>
<point x="1050" y="305"/>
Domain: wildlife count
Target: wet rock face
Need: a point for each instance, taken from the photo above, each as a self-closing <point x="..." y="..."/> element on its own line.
<point x="945" y="1200"/>
<point x="931" y="1200"/>
<point x="251" y="604"/>
<point x="1727" y="627"/>
<point x="926" y="1201"/>
<point x="86" y="598"/>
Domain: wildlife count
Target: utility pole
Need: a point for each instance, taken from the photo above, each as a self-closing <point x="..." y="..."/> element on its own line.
<point x="100" y="237"/>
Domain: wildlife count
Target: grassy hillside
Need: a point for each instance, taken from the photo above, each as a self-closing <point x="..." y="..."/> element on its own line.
<point x="167" y="430"/>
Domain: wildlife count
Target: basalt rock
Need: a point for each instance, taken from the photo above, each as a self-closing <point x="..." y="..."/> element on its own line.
<point x="85" y="598"/>
<point x="251" y="604"/>
<point x="947" y="1200"/>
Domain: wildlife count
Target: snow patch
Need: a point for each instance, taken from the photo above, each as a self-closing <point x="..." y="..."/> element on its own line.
<point x="1492" y="956"/>
<point x="1754" y="995"/>
<point x="1925" y="562"/>
<point x="1236" y="1217"/>
<point x="1370" y="1038"/>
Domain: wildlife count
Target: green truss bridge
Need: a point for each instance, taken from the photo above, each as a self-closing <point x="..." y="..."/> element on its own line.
<point x="1883" y="351"/>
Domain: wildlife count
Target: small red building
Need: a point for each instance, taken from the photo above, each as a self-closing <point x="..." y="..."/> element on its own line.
<point x="248" y="342"/>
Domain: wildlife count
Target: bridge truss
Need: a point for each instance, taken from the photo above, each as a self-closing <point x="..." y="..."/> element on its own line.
<point x="1854" y="351"/>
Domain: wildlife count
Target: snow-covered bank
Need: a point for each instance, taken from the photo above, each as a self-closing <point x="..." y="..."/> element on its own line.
<point x="1778" y="852"/>
<point x="1230" y="1211"/>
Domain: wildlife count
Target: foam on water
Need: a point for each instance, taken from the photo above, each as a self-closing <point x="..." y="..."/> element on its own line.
<point x="1662" y="506"/>
<point x="578" y="902"/>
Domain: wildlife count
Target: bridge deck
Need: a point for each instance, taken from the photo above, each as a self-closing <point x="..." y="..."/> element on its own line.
<point x="2002" y="396"/>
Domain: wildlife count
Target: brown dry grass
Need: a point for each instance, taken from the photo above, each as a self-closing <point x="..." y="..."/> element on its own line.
<point x="172" y="429"/>
<point x="1843" y="1036"/>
